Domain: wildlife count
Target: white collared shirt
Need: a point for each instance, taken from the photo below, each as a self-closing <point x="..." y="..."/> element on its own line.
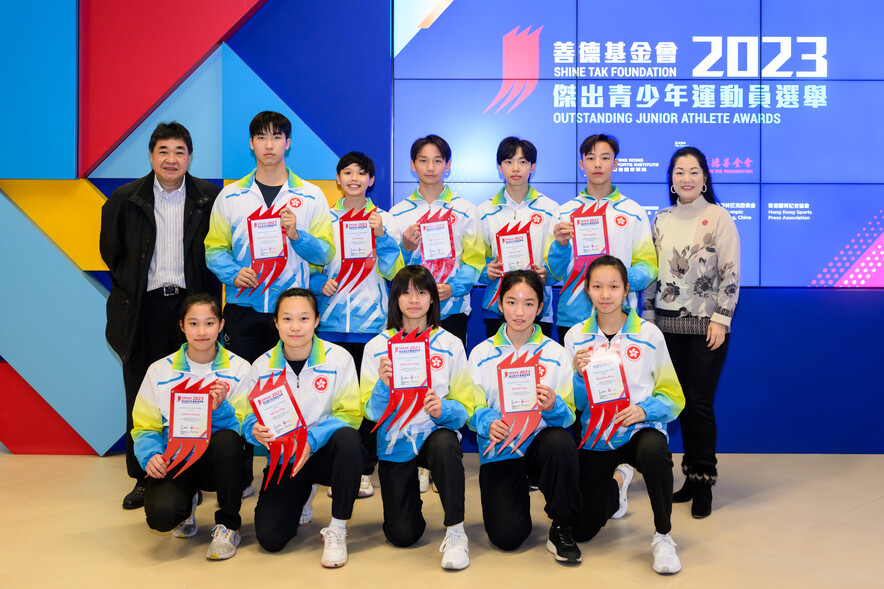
<point x="167" y="263"/>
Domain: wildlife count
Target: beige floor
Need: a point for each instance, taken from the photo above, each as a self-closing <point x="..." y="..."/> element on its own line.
<point x="778" y="521"/>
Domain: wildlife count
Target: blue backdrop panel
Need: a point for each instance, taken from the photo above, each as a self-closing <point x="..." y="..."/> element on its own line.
<point x="245" y="95"/>
<point x="64" y="356"/>
<point x="39" y="66"/>
<point x="330" y="62"/>
<point x="196" y="104"/>
<point x="789" y="386"/>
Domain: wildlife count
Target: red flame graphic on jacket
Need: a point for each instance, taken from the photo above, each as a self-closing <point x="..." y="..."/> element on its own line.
<point x="291" y="444"/>
<point x="602" y="415"/>
<point x="508" y="230"/>
<point x="354" y="271"/>
<point x="268" y="270"/>
<point x="440" y="269"/>
<point x="521" y="423"/>
<point x="521" y="67"/>
<point x="403" y="401"/>
<point x="189" y="448"/>
<point x="582" y="262"/>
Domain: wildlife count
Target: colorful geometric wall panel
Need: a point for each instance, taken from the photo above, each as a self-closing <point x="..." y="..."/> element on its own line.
<point x="38" y="46"/>
<point x="68" y="212"/>
<point x="332" y="66"/>
<point x="413" y="16"/>
<point x="196" y="104"/>
<point x="245" y="95"/>
<point x="134" y="54"/>
<point x="17" y="434"/>
<point x="53" y="318"/>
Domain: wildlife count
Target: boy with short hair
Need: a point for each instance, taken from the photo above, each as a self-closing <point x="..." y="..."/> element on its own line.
<point x="243" y="248"/>
<point x="453" y="254"/>
<point x="625" y="234"/>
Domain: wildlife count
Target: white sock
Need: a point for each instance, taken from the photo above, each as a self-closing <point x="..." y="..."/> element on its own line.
<point x="338" y="523"/>
<point x="456" y="528"/>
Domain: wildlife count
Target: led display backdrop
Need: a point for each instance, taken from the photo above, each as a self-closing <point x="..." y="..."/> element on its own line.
<point x="782" y="97"/>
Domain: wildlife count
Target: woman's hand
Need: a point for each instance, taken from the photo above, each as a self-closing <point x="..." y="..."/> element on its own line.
<point x="433" y="404"/>
<point x="630" y="416"/>
<point x="546" y="397"/>
<point x="218" y="392"/>
<point x="262" y="434"/>
<point x="385" y="370"/>
<point x="156" y="466"/>
<point x="715" y="335"/>
<point x="498" y="431"/>
<point x="581" y="359"/>
<point x="304" y="458"/>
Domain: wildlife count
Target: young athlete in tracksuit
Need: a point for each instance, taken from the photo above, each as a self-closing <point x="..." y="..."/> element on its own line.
<point x="628" y="234"/>
<point x="323" y="381"/>
<point x="170" y="500"/>
<point x="516" y="203"/>
<point x="632" y="351"/>
<point x="430" y="440"/>
<point x="548" y="454"/>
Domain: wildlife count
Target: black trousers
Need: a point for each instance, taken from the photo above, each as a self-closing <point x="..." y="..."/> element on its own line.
<point x="698" y="369"/>
<point x="506" y="505"/>
<point x="456" y="324"/>
<point x="168" y="501"/>
<point x="247" y="332"/>
<point x="157" y="336"/>
<point x="404" y="522"/>
<point x="369" y="440"/>
<point x="338" y="464"/>
<point x="563" y="331"/>
<point x="649" y="453"/>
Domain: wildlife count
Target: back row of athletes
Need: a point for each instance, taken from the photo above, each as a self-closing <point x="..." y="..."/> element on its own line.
<point x="693" y="300"/>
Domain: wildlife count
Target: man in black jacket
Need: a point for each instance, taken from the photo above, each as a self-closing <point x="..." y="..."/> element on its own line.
<point x="152" y="234"/>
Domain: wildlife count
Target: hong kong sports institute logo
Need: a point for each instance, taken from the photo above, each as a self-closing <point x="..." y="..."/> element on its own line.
<point x="521" y="68"/>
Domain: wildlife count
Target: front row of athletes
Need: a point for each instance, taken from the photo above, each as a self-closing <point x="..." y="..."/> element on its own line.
<point x="582" y="488"/>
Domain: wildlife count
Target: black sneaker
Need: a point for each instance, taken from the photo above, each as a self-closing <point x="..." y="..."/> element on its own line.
<point x="135" y="498"/>
<point x="561" y="544"/>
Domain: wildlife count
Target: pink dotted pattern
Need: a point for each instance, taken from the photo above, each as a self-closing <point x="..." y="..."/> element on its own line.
<point x="858" y="264"/>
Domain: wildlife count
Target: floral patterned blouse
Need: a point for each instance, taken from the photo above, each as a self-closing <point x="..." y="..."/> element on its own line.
<point x="698" y="253"/>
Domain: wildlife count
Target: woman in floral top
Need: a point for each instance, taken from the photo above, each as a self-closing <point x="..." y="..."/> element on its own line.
<point x="692" y="302"/>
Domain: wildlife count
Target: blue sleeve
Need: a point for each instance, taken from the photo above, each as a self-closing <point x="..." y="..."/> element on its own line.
<point x="389" y="262"/>
<point x="482" y="420"/>
<point x="317" y="279"/>
<point x="453" y="416"/>
<point x="462" y="281"/>
<point x="318" y="435"/>
<point x="313" y="250"/>
<point x="557" y="260"/>
<point x="247" y="425"/>
<point x="640" y="276"/>
<point x="560" y="415"/>
<point x="148" y="444"/>
<point x="581" y="400"/>
<point x="377" y="401"/>
<point x="224" y="417"/>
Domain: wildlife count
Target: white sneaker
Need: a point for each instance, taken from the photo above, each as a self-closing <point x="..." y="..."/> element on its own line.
<point x="365" y="487"/>
<point x="188" y="527"/>
<point x="307" y="510"/>
<point x="224" y="543"/>
<point x="248" y="491"/>
<point x="423" y="478"/>
<point x="627" y="472"/>
<point x="334" y="554"/>
<point x="455" y="551"/>
<point x="665" y="558"/>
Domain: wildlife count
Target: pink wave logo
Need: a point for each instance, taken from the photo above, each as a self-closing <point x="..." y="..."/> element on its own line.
<point x="521" y="68"/>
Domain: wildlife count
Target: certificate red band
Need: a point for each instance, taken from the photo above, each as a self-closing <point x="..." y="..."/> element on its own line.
<point x="190" y="424"/>
<point x="606" y="390"/>
<point x="411" y="378"/>
<point x="275" y="407"/>
<point x="517" y="381"/>
<point x="437" y="243"/>
<point x="358" y="249"/>
<point x="267" y="247"/>
<point x="514" y="250"/>
<point x="589" y="241"/>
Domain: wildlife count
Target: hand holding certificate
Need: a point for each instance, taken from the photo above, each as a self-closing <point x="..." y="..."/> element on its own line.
<point x="358" y="248"/>
<point x="410" y="379"/>
<point x="190" y="424"/>
<point x="606" y="389"/>
<point x="590" y="231"/>
<point x="437" y="243"/>
<point x="267" y="246"/>
<point x="276" y="409"/>
<point x="514" y="247"/>
<point x="517" y="382"/>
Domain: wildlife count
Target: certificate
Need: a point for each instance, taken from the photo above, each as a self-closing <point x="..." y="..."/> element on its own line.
<point x="518" y="389"/>
<point x="590" y="237"/>
<point x="606" y="380"/>
<point x="277" y="411"/>
<point x="190" y="415"/>
<point x="356" y="240"/>
<point x="410" y="367"/>
<point x="266" y="237"/>
<point x="436" y="241"/>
